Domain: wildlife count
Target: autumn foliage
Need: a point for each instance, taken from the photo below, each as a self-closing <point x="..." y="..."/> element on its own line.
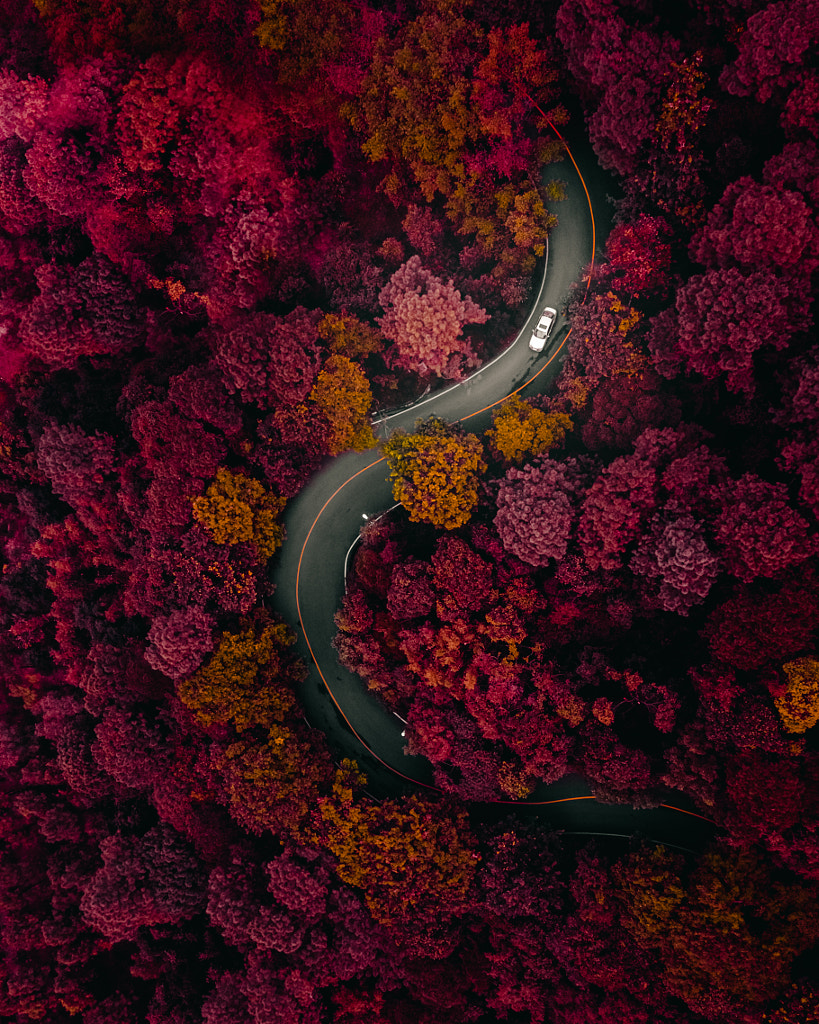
<point x="228" y="233"/>
<point x="435" y="472"/>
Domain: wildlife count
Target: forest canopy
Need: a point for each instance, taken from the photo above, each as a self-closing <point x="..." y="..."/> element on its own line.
<point x="228" y="235"/>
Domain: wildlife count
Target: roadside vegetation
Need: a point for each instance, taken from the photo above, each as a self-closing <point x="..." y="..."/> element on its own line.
<point x="225" y="241"/>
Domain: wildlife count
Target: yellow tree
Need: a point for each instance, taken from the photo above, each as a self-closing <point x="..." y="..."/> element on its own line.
<point x="237" y="508"/>
<point x="798" y="703"/>
<point x="270" y="783"/>
<point x="408" y="857"/>
<point x="343" y="394"/>
<point x="248" y="680"/>
<point x="287" y="28"/>
<point x="521" y="431"/>
<point x="435" y="472"/>
<point x="346" y="335"/>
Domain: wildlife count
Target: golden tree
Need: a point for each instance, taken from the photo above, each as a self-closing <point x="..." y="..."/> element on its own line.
<point x="248" y="680"/>
<point x="237" y="508"/>
<point x="443" y="104"/>
<point x="343" y="394"/>
<point x="405" y="855"/>
<point x="726" y="933"/>
<point x="798" y="704"/>
<point x="521" y="431"/>
<point x="435" y="472"/>
<point x="270" y="783"/>
<point x="346" y="335"/>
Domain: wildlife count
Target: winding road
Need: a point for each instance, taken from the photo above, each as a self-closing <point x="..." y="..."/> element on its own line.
<point x="324" y="519"/>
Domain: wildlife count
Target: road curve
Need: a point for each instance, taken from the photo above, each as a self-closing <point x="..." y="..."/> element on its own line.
<point x="325" y="518"/>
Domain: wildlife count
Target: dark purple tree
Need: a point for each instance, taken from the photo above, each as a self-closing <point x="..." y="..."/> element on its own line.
<point x="269" y="359"/>
<point x="623" y="69"/>
<point x="725" y="316"/>
<point x="763" y="626"/>
<point x="674" y="556"/>
<point x="615" y="510"/>
<point x="772" y="50"/>
<point x="88" y="310"/>
<point x="758" y="531"/>
<point x="144" y="881"/>
<point x="624" y="407"/>
<point x="179" y="641"/>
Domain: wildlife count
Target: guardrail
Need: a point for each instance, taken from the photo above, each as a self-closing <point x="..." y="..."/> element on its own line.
<point x="417" y="403"/>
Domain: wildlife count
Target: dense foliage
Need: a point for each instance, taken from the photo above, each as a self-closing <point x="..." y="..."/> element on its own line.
<point x="225" y="235"/>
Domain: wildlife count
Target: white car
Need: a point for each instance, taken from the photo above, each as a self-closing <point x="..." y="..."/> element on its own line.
<point x="541" y="332"/>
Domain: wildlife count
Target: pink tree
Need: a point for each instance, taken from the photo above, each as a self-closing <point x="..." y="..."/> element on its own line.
<point x="537" y="506"/>
<point x="425" y="318"/>
<point x="755" y="225"/>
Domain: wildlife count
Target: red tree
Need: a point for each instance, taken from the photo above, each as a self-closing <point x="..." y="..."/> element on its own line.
<point x="724" y="317"/>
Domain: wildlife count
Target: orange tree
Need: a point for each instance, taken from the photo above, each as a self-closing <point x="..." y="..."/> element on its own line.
<point x="798" y="702"/>
<point x="343" y="394"/>
<point x="726" y="933"/>
<point x="236" y="509"/>
<point x="442" y="105"/>
<point x="521" y="431"/>
<point x="435" y="472"/>
<point x="412" y="858"/>
<point x="248" y="680"/>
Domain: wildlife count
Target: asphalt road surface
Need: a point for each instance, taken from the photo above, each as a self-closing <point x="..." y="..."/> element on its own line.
<point x="324" y="519"/>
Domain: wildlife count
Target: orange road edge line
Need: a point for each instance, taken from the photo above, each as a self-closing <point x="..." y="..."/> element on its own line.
<point x="389" y="767"/>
